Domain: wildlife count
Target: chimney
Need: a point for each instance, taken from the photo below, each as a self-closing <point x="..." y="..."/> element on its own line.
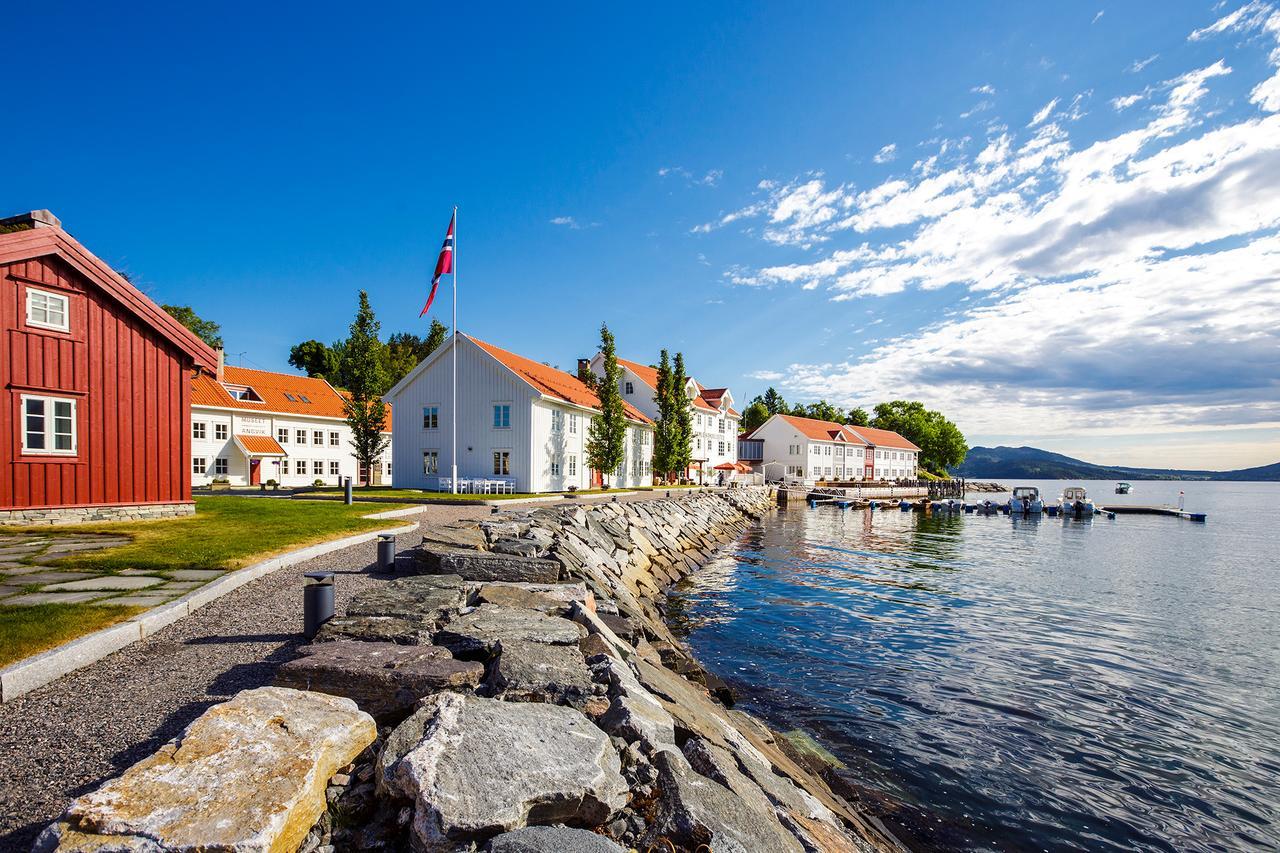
<point x="27" y="221"/>
<point x="584" y="364"/>
<point x="222" y="361"/>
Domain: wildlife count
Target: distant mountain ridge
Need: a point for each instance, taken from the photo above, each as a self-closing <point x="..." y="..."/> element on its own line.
<point x="1031" y="463"/>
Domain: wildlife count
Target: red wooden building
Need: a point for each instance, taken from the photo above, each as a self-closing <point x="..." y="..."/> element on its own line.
<point x="96" y="415"/>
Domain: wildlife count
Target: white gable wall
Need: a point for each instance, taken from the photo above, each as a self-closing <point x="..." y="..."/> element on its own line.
<point x="482" y="382"/>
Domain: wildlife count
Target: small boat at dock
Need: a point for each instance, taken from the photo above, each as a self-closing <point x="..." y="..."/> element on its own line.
<point x="1123" y="488"/>
<point x="1025" y="501"/>
<point x="1075" y="503"/>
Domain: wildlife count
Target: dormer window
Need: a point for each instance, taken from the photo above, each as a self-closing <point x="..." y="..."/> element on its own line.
<point x="47" y="310"/>
<point x="243" y="393"/>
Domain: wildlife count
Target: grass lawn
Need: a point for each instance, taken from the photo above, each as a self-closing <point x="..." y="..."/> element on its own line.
<point x="25" y="631"/>
<point x="225" y="533"/>
<point x="445" y="497"/>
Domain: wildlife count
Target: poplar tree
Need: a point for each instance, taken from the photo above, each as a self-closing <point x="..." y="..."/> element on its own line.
<point x="366" y="379"/>
<point x="682" y="434"/>
<point x="607" y="435"/>
<point x="664" y="428"/>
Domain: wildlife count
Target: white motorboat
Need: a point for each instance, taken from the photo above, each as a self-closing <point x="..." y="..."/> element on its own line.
<point x="1076" y="503"/>
<point x="1025" y="501"/>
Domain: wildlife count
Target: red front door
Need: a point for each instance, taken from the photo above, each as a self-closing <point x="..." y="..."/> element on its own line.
<point x="597" y="480"/>
<point x="255" y="472"/>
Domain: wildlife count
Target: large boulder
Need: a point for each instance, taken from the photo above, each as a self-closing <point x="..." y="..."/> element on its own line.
<point x="483" y="565"/>
<point x="248" y="775"/>
<point x="540" y="672"/>
<point x="551" y="839"/>
<point x="376" y="629"/>
<point x="427" y="601"/>
<point x="385" y="679"/>
<point x="634" y="714"/>
<point x="479" y="633"/>
<point x="555" y="599"/>
<point x="694" y="811"/>
<point x="484" y="766"/>
<point x="463" y="535"/>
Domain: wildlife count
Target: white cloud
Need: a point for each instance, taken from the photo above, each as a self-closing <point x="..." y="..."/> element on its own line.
<point x="708" y="179"/>
<point x="1043" y="113"/>
<point x="1139" y="64"/>
<point x="1098" y="16"/>
<point x="985" y="89"/>
<point x="572" y="224"/>
<point x="1123" y="103"/>
<point x="981" y="106"/>
<point x="886" y="154"/>
<point x="1130" y="281"/>
<point x="766" y="375"/>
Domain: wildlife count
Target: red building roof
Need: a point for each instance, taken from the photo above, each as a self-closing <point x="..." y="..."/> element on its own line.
<point x="260" y="445"/>
<point x="649" y="376"/>
<point x="50" y="239"/>
<point x="551" y="382"/>
<point x="882" y="437"/>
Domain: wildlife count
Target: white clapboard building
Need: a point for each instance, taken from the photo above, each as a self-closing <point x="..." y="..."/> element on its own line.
<point x="520" y="422"/>
<point x="806" y="449"/>
<point x="251" y="426"/>
<point x="715" y="421"/>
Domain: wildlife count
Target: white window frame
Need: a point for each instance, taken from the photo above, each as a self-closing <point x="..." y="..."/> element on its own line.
<point x="334" y="470"/>
<point x="49" y="297"/>
<point x="282" y="435"/>
<point x="501" y="462"/>
<point x="630" y="389"/>
<point x="431" y="417"/>
<point x="335" y="439"/>
<point x="284" y="466"/>
<point x="199" y="430"/>
<point x="220" y="432"/>
<point x="317" y="437"/>
<point x="221" y="466"/>
<point x="300" y="436"/>
<point x="199" y="465"/>
<point x="49" y="426"/>
<point x="573" y="465"/>
<point x="502" y="416"/>
<point x="433" y="468"/>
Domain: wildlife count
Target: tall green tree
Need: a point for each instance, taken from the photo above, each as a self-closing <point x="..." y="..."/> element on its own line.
<point x="366" y="379"/>
<point x="859" y="417"/>
<point x="941" y="443"/>
<point x="682" y="435"/>
<point x="755" y="414"/>
<point x="821" y="410"/>
<point x="773" y="402"/>
<point x="206" y="330"/>
<point x="665" y="427"/>
<point x="315" y="359"/>
<point x="607" y="435"/>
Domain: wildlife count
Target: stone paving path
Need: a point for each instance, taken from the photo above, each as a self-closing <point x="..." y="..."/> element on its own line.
<point x="28" y="574"/>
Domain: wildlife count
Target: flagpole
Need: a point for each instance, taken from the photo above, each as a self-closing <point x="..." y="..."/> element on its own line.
<point x="453" y="408"/>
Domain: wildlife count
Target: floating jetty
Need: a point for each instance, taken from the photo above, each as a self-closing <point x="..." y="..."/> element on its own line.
<point x="1133" y="509"/>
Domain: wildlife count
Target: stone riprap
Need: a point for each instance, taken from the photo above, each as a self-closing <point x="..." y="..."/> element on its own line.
<point x="569" y="718"/>
<point x="249" y="774"/>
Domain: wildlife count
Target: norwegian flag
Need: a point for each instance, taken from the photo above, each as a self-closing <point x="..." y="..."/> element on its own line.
<point x="444" y="264"/>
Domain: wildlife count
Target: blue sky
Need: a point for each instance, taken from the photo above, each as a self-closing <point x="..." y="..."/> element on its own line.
<point x="1057" y="224"/>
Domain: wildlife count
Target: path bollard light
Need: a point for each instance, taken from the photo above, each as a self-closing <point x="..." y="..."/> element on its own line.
<point x="493" y="510"/>
<point x="317" y="601"/>
<point x="387" y="552"/>
<point x="346" y="495"/>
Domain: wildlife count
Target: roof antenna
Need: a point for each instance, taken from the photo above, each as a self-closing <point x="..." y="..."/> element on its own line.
<point x="241" y="356"/>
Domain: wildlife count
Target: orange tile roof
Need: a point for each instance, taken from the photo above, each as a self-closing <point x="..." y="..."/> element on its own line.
<point x="649" y="376"/>
<point x="818" y="430"/>
<point x="325" y="401"/>
<point x="260" y="444"/>
<point x="551" y="382"/>
<point x="882" y="437"/>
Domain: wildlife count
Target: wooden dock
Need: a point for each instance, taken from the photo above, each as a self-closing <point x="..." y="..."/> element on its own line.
<point x="1163" y="509"/>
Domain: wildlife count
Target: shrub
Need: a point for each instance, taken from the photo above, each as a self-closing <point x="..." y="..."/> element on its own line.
<point x="318" y="483"/>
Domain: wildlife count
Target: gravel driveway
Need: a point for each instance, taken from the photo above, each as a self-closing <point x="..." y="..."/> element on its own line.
<point x="66" y="738"/>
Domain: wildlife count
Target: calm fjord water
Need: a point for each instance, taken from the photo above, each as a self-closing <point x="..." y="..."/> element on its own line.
<point x="1028" y="684"/>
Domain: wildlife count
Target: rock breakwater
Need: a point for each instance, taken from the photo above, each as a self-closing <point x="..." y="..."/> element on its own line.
<point x="529" y="696"/>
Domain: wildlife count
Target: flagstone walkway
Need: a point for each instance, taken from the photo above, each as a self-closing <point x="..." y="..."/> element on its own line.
<point x="29" y="574"/>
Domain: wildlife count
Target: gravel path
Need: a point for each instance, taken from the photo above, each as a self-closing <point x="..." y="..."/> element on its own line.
<point x="66" y="738"/>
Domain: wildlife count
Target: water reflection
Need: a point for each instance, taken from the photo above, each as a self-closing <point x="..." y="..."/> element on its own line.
<point x="1038" y="684"/>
